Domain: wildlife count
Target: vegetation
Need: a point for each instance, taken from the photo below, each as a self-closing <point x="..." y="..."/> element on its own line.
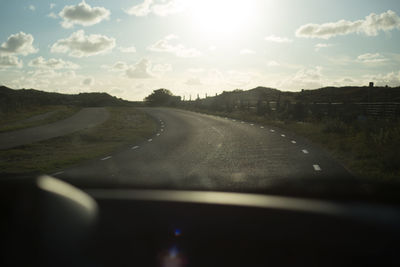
<point x="126" y="126"/>
<point x="34" y="116"/>
<point x="162" y="97"/>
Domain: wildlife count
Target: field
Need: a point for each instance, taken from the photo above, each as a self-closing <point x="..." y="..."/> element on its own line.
<point x="125" y="126"/>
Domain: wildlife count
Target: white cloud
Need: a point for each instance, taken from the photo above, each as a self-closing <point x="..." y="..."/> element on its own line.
<point x="160" y="9"/>
<point x="247" y="52"/>
<point x="322" y="45"/>
<point x="371" y="58"/>
<point x="305" y="78"/>
<point x="88" y="81"/>
<point x="7" y="61"/>
<point x="19" y="43"/>
<point x="167" y="8"/>
<point x="193" y="81"/>
<point x="52" y="15"/>
<point x="390" y="79"/>
<point x="83" y="14"/>
<point x="277" y="39"/>
<point x="32" y="7"/>
<point x="130" y="49"/>
<point x="118" y="66"/>
<point x="272" y="63"/>
<point x="52" y="5"/>
<point x="141" y="70"/>
<point x="81" y="45"/>
<point x="162" y="68"/>
<point x="164" y="45"/>
<point x="369" y="26"/>
<point x="52" y="63"/>
<point x="140" y="10"/>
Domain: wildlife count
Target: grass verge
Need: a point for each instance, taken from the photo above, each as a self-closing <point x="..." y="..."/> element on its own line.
<point x="125" y="126"/>
<point x="26" y="118"/>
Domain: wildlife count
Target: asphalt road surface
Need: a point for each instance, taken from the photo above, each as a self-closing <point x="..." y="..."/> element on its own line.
<point x="197" y="151"/>
<point x="85" y="118"/>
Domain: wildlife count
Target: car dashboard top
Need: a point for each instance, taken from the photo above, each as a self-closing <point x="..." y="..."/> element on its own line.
<point x="47" y="222"/>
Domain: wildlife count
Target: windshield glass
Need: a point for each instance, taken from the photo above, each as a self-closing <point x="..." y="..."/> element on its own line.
<point x="245" y="96"/>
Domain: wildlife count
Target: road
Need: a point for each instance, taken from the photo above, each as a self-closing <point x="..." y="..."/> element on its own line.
<point x="198" y="151"/>
<point x="85" y="118"/>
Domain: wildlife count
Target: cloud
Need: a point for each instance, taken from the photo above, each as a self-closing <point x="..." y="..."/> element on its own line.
<point x="162" y="68"/>
<point x="118" y="66"/>
<point x="52" y="63"/>
<point x="88" y="81"/>
<point x="52" y="15"/>
<point x="141" y="70"/>
<point x="7" y="61"/>
<point x="130" y="49"/>
<point x="247" y="52"/>
<point x="140" y="10"/>
<point x="390" y="79"/>
<point x="19" y="43"/>
<point x="193" y="81"/>
<point x="322" y="45"/>
<point x="277" y="39"/>
<point x="81" y="45"/>
<point x="305" y="78"/>
<point x="52" y="5"/>
<point x="371" y="58"/>
<point x="272" y="63"/>
<point x="83" y="14"/>
<point x="370" y="26"/>
<point x="164" y="45"/>
<point x="32" y="7"/>
<point x="149" y="6"/>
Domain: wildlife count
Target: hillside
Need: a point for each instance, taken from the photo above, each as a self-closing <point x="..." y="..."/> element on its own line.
<point x="12" y="100"/>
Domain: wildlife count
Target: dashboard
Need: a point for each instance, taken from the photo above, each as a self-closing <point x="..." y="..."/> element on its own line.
<point x="47" y="222"/>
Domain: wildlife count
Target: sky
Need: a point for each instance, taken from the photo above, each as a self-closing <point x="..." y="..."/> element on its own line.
<point x="128" y="48"/>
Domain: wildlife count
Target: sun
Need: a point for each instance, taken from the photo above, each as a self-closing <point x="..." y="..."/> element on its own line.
<point x="220" y="17"/>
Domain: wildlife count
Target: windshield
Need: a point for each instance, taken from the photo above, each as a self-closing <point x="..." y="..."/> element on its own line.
<point x="244" y="96"/>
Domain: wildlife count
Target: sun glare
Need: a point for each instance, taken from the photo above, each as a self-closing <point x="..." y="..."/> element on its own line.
<point x="221" y="17"/>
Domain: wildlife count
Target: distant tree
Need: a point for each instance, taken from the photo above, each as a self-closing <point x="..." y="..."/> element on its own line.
<point x="162" y="97"/>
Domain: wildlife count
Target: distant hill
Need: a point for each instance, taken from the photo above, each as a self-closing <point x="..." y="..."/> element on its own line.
<point x="12" y="100"/>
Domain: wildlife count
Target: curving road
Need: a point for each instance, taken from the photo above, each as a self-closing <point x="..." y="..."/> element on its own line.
<point x="197" y="151"/>
<point x="85" y="118"/>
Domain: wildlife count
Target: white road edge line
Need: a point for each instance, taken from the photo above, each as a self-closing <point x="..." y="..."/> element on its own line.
<point x="135" y="147"/>
<point x="57" y="173"/>
<point x="293" y="142"/>
<point x="305" y="151"/>
<point x="317" y="167"/>
<point x="106" y="158"/>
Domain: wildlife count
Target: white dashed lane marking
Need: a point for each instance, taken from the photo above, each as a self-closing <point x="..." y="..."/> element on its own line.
<point x="58" y="173"/>
<point x="293" y="142"/>
<point x="305" y="151"/>
<point x="242" y="122"/>
<point x="251" y="124"/>
<point x="158" y="134"/>
<point x="262" y="127"/>
<point x="283" y="135"/>
<point x="272" y="131"/>
<point x="162" y="130"/>
<point x="317" y="167"/>
<point x="135" y="147"/>
<point x="106" y="158"/>
<point x="150" y="140"/>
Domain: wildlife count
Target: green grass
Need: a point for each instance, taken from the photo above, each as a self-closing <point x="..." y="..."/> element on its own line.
<point x="369" y="150"/>
<point x="126" y="126"/>
<point x="19" y="120"/>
